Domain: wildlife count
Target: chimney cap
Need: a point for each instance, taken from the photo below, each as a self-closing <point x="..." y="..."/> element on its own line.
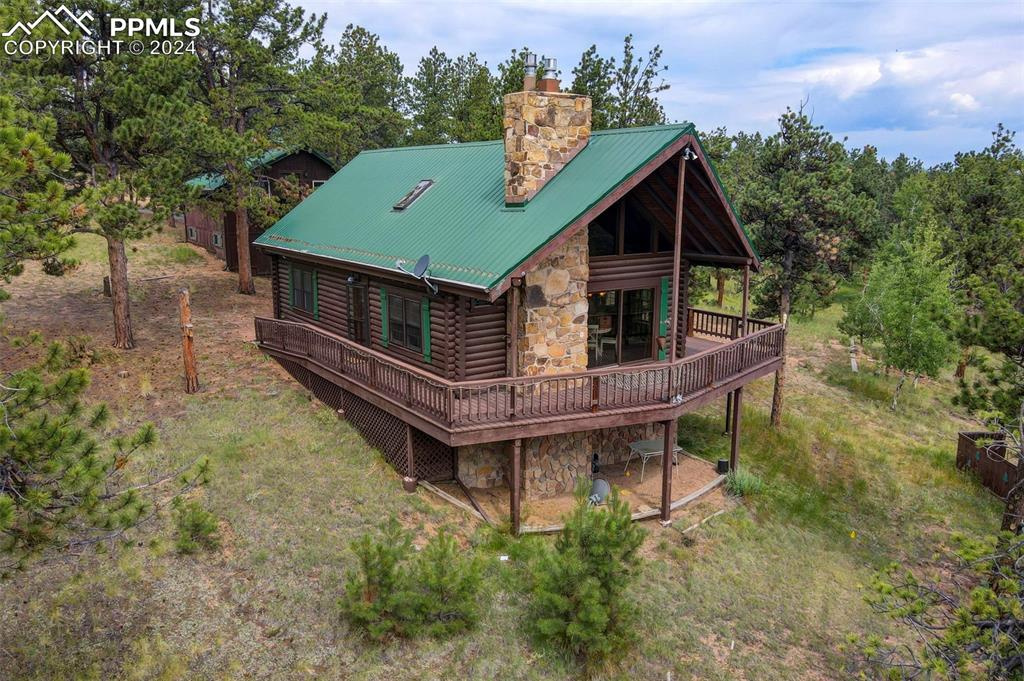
<point x="550" y="67"/>
<point x="530" y="62"/>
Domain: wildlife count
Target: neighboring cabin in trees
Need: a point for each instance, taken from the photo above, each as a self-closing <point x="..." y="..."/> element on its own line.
<point x="560" y="324"/>
<point x="216" y="231"/>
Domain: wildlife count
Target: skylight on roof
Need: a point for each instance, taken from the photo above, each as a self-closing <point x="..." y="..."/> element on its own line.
<point x="417" y="192"/>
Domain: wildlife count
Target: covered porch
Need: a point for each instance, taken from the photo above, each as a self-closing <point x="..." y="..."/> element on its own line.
<point x="693" y="479"/>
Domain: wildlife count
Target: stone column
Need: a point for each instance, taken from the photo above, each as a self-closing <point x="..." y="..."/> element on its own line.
<point x="553" y="312"/>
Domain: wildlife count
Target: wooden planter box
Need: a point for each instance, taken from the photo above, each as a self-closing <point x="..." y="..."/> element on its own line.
<point x="977" y="452"/>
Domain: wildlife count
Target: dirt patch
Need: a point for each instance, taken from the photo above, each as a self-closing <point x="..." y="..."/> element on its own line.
<point x="146" y="383"/>
<point x="690" y="475"/>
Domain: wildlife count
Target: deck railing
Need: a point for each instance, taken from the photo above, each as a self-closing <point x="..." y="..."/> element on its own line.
<point x="501" y="400"/>
<point x="720" y="324"/>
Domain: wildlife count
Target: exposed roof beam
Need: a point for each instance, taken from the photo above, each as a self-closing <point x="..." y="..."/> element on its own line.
<point x="694" y="221"/>
<point x="722" y="259"/>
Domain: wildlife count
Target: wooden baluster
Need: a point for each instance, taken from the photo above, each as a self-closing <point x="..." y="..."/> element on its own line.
<point x="595" y="392"/>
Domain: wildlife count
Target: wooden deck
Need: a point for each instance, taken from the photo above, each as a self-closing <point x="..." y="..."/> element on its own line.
<point x="468" y="412"/>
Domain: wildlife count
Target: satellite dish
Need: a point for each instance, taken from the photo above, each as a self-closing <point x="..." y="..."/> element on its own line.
<point x="420" y="270"/>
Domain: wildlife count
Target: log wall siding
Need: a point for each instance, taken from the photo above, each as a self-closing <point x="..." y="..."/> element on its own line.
<point x="332" y="299"/>
<point x="618" y="271"/>
<point x="275" y="285"/>
<point x="485" y="345"/>
<point x="683" y="308"/>
<point x="303" y="165"/>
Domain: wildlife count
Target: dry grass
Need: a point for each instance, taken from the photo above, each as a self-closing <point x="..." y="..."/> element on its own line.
<point x="767" y="590"/>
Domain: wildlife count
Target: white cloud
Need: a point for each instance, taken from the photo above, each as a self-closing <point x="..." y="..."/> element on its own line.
<point x="845" y="76"/>
<point x="964" y="101"/>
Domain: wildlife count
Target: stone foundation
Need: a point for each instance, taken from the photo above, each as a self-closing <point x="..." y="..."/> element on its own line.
<point x="553" y="312"/>
<point x="551" y="463"/>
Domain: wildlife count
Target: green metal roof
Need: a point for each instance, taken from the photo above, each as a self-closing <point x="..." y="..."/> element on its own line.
<point x="211" y="181"/>
<point x="461" y="221"/>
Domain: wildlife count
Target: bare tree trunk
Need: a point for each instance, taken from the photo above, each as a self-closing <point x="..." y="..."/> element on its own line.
<point x="188" y="352"/>
<point x="720" y="280"/>
<point x="899" y="389"/>
<point x="245" y="283"/>
<point x="853" y="355"/>
<point x="961" y="366"/>
<point x="780" y="375"/>
<point x="123" y="337"/>
<point x="1013" y="513"/>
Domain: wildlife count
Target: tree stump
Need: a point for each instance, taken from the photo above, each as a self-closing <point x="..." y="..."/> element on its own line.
<point x="188" y="352"/>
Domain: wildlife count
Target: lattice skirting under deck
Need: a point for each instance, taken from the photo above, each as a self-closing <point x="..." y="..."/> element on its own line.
<point x="433" y="460"/>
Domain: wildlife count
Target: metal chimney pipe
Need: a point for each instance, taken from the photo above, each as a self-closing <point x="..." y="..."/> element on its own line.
<point x="550" y="67"/>
<point x="530" y="72"/>
<point x="549" y="82"/>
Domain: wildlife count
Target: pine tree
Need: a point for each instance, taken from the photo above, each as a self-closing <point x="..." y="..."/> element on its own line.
<point x="65" y="483"/>
<point x="623" y="95"/>
<point x="246" y="77"/>
<point x="398" y="592"/>
<point x="579" y="595"/>
<point x="594" y="76"/>
<point x="116" y="116"/>
<point x="36" y="217"/>
<point x="445" y="583"/>
<point x="637" y="84"/>
<point x="980" y="200"/>
<point x="802" y="208"/>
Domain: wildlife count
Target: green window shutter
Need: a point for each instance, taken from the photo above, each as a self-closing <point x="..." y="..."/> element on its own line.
<point x="384" y="317"/>
<point x="425" y="327"/>
<point x="291" y="285"/>
<point x="666" y="287"/>
<point x="316" y="297"/>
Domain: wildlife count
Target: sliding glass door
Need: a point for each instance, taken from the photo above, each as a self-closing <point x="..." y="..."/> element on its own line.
<point x="620" y="326"/>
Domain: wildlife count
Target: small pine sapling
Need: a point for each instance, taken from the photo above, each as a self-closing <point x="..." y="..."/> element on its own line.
<point x="196" y="527"/>
<point x="579" y="595"/>
<point x="376" y="595"/>
<point x="445" y="585"/>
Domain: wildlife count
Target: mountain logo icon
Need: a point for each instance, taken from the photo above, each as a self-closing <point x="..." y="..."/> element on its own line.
<point x="63" y="18"/>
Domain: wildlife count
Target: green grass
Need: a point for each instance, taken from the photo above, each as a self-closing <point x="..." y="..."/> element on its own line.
<point x="864" y="384"/>
<point x="742" y="483"/>
<point x="176" y="254"/>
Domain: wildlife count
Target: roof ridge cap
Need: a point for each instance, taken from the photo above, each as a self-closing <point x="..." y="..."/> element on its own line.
<point x="447" y="145"/>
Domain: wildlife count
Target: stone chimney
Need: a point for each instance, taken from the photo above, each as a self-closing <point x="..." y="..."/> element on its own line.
<point x="544" y="129"/>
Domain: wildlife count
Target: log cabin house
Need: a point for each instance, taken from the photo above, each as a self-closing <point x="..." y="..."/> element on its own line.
<point x="553" y="322"/>
<point x="215" y="231"/>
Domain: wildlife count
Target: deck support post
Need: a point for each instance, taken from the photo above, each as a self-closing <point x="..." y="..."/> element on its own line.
<point x="746" y="300"/>
<point x="515" y="484"/>
<point x="684" y="265"/>
<point x="728" y="413"/>
<point x="677" y="250"/>
<point x="666" y="471"/>
<point x="734" y="450"/>
<point x="512" y="328"/>
<point x="409" y="481"/>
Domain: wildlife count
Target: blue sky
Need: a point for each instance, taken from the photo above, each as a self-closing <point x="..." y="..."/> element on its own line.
<point x="927" y="78"/>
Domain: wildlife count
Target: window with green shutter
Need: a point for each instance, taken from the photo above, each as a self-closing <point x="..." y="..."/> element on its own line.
<point x="425" y="326"/>
<point x="406" y="322"/>
<point x="302" y="293"/>
<point x="384" y="330"/>
<point x="663" y="307"/>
